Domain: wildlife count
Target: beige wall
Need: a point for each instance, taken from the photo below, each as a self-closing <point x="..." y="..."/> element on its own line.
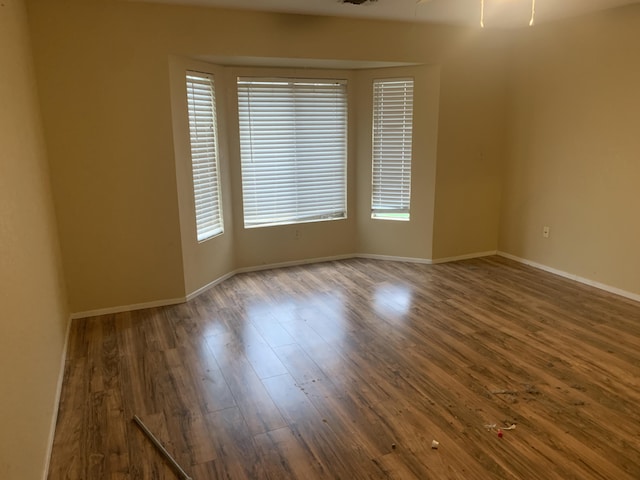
<point x="272" y="245"/>
<point x="107" y="110"/>
<point x="471" y="155"/>
<point x="574" y="148"/>
<point x="413" y="238"/>
<point x="34" y="312"/>
<point x="203" y="262"/>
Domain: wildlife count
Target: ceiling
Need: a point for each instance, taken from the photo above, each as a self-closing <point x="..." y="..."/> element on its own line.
<point x="498" y="13"/>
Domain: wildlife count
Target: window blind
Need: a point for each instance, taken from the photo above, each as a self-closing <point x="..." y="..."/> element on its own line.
<point x="204" y="154"/>
<point x="392" y="138"/>
<point x="293" y="140"/>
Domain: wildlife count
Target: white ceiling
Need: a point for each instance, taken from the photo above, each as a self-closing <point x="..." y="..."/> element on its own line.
<point x="498" y="13"/>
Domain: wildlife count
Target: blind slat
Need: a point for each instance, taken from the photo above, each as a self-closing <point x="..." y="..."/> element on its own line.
<point x="204" y="154"/>
<point x="392" y="148"/>
<point x="293" y="150"/>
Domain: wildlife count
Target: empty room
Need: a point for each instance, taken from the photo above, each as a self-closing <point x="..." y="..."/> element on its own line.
<point x="319" y="239"/>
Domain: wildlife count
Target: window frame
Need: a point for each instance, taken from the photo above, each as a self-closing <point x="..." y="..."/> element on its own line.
<point x="294" y="127"/>
<point x="391" y="199"/>
<point x="205" y="166"/>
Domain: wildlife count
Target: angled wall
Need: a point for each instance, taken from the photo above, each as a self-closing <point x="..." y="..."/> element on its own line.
<point x="573" y="148"/>
<point x="106" y="105"/>
<point x="34" y="311"/>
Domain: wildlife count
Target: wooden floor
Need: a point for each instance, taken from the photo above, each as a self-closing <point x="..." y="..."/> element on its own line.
<point x="349" y="370"/>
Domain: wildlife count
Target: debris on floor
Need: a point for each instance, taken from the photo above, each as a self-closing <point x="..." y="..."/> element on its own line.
<point x="163" y="451"/>
<point x="435" y="444"/>
<point x="493" y="427"/>
<point x="504" y="392"/>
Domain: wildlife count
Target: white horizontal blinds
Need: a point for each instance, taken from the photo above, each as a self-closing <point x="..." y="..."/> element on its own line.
<point x="392" y="138"/>
<point x="293" y="139"/>
<point x="204" y="154"/>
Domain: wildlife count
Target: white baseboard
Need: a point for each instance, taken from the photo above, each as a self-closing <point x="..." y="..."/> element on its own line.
<point x="571" y="276"/>
<point x="128" y="308"/>
<point x="391" y="258"/>
<point x="467" y="256"/>
<point x="195" y="293"/>
<point x="294" y="263"/>
<point x="56" y="405"/>
<point x="209" y="285"/>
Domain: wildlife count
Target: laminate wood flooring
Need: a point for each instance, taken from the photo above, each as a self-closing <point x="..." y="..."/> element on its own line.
<point x="350" y="369"/>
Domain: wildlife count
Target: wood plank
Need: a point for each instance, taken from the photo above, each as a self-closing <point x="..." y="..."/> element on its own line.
<point x="333" y="448"/>
<point x="285" y="457"/>
<point x="257" y="407"/>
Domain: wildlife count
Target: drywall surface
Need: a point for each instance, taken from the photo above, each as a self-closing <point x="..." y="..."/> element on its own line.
<point x="207" y="261"/>
<point x="413" y="238"/>
<point x="574" y="148"/>
<point x="104" y="89"/>
<point x="110" y="116"/>
<point x="471" y="139"/>
<point x="34" y="312"/>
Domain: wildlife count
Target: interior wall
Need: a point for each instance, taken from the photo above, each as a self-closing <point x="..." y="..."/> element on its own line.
<point x="471" y="154"/>
<point x="104" y="90"/>
<point x="34" y="311"/>
<point x="574" y="148"/>
<point x="203" y="262"/>
<point x="108" y="121"/>
<point x="256" y="247"/>
<point x="404" y="239"/>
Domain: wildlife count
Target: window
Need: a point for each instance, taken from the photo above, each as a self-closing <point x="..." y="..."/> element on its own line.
<point x="392" y="137"/>
<point x="293" y="141"/>
<point x="204" y="154"/>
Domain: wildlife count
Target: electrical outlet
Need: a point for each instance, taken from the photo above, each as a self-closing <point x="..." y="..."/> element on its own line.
<point x="546" y="231"/>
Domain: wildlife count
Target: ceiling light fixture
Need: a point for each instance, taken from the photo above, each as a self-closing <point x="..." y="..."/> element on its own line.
<point x="358" y="2"/>
<point x="531" y="22"/>
<point x="533" y="13"/>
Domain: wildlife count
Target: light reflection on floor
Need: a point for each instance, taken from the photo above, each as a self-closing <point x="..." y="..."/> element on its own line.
<point x="393" y="299"/>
